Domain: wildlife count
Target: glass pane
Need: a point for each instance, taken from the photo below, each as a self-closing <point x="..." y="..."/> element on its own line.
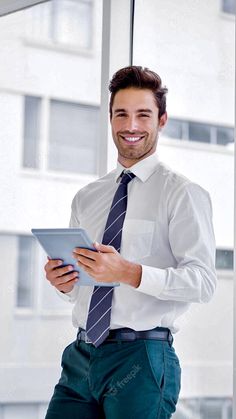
<point x="66" y="22"/>
<point x="229" y="6"/>
<point x="31" y="131"/>
<point x="73" y="137"/>
<point x="26" y="263"/>
<point x="180" y="42"/>
<point x="225" y="135"/>
<point x="204" y="408"/>
<point x="20" y="411"/>
<point x="42" y="61"/>
<point x="38" y="20"/>
<point x="199" y="132"/>
<point x="224" y="259"/>
<point x="72" y="21"/>
<point x="173" y="128"/>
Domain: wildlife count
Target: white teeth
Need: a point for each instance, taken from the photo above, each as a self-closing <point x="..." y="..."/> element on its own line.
<point x="132" y="139"/>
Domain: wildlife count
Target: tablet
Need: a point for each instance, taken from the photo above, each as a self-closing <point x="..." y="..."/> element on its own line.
<point x="59" y="243"/>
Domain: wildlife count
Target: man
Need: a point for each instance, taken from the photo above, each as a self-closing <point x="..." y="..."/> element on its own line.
<point x="154" y="236"/>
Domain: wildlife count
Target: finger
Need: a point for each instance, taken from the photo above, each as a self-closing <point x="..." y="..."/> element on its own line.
<point x="90" y="254"/>
<point x="104" y="248"/>
<point x="52" y="264"/>
<point x="63" y="271"/>
<point x="85" y="262"/>
<point x="66" y="287"/>
<point x="65" y="279"/>
<point x="53" y="274"/>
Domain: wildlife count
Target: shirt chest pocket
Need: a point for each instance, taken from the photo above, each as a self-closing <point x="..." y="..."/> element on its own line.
<point x="137" y="237"/>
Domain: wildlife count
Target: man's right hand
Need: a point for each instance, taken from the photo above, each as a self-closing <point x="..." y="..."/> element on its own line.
<point x="64" y="278"/>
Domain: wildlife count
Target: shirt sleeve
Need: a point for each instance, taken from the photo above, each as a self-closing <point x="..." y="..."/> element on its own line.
<point x="71" y="296"/>
<point x="74" y="220"/>
<point x="192" y="243"/>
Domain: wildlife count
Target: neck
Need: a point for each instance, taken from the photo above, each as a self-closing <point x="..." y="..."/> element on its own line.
<point x="127" y="163"/>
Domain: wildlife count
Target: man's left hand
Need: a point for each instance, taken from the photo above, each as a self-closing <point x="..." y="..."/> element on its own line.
<point x="107" y="265"/>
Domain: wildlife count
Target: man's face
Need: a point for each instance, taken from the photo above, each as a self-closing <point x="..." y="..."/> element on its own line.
<point x="135" y="124"/>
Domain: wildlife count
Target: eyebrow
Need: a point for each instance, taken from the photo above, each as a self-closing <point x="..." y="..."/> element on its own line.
<point x="138" y="111"/>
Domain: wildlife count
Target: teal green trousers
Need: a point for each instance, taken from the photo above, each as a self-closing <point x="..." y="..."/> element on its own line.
<point x="118" y="380"/>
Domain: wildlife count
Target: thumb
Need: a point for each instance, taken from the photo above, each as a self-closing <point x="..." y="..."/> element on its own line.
<point x="103" y="248"/>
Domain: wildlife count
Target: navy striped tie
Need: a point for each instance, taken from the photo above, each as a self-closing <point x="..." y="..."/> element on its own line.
<point x="99" y="315"/>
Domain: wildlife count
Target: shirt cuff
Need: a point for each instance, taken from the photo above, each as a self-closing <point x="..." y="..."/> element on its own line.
<point x="69" y="296"/>
<point x="153" y="281"/>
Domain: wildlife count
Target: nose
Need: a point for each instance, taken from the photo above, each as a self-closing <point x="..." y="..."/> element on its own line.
<point x="131" y="123"/>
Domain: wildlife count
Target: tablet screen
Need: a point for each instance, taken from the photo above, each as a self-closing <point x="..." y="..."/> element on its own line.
<point x="59" y="243"/>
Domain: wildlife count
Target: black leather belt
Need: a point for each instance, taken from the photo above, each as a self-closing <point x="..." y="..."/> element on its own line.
<point x="128" y="335"/>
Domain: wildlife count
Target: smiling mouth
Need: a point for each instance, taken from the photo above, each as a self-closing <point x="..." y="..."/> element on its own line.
<point x="132" y="139"/>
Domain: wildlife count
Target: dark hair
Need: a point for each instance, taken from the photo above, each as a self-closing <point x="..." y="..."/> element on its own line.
<point x="141" y="78"/>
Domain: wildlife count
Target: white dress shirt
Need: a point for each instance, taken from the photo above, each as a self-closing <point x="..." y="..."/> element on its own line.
<point x="167" y="229"/>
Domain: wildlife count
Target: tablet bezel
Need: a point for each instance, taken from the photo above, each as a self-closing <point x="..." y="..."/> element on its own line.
<point x="64" y="236"/>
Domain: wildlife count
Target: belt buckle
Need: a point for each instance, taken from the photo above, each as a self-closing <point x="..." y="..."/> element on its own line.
<point x="86" y="339"/>
<point x="82" y="335"/>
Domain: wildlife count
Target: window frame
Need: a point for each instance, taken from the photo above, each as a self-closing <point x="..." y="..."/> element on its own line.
<point x="44" y="144"/>
<point x="185" y="125"/>
<point x="11" y="6"/>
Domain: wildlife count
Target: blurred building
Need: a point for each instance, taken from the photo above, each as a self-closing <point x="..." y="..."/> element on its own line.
<point x="50" y="147"/>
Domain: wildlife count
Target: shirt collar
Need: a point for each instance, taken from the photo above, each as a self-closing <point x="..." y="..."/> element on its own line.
<point x="143" y="169"/>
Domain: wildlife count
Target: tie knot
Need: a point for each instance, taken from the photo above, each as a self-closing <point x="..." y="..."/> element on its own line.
<point x="126" y="178"/>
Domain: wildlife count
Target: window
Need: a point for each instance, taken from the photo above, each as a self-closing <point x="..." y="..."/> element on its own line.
<point x="198" y="131"/>
<point x="71" y="22"/>
<point x="224" y="259"/>
<point x="62" y="22"/>
<point x="225" y="135"/>
<point x="39" y="62"/>
<point x="20" y="410"/>
<point x="72" y="136"/>
<point x="25" y="272"/>
<point x="228" y="6"/>
<point x="174" y="128"/>
<point x="31" y="131"/>
<point x="204" y="408"/>
<point x="33" y="291"/>
<point x="195" y="97"/>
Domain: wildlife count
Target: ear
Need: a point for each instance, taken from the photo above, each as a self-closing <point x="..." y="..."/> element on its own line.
<point x="163" y="120"/>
